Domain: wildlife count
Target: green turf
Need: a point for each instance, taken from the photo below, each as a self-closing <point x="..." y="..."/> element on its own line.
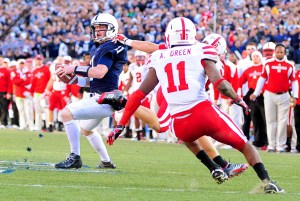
<point x="145" y="171"/>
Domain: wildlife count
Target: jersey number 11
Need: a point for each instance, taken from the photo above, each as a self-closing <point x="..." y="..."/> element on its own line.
<point x="182" y="81"/>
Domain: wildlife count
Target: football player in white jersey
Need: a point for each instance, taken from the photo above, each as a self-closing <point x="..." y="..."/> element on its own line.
<point x="182" y="70"/>
<point x="137" y="73"/>
<point x="57" y="92"/>
<point x="229" y="72"/>
<point x="163" y="115"/>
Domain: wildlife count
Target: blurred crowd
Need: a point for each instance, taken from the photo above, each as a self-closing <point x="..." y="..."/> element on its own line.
<point x="58" y="28"/>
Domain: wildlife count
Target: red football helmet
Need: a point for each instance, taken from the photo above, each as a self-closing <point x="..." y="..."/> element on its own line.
<point x="268" y="50"/>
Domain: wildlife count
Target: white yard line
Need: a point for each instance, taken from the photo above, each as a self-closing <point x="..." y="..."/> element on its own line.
<point x="123" y="188"/>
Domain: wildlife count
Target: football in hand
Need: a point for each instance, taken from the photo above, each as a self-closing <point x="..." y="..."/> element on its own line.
<point x="68" y="79"/>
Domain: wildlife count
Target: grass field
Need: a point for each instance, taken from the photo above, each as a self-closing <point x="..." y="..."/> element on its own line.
<point x="145" y="171"/>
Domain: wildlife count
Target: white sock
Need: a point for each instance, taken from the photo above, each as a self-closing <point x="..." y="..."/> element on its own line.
<point x="73" y="134"/>
<point x="97" y="143"/>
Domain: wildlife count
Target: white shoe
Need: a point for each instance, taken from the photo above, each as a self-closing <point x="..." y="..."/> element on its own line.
<point x="2" y="127"/>
<point x="153" y="140"/>
<point x="294" y="151"/>
<point x="15" y="126"/>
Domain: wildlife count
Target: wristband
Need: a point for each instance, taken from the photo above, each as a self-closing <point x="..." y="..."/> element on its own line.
<point x="82" y="70"/>
<point x="74" y="78"/>
<point x="128" y="42"/>
<point x="81" y="81"/>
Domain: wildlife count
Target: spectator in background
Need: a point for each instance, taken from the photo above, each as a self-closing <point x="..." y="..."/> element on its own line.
<point x="279" y="73"/>
<point x="290" y="51"/>
<point x="61" y="18"/>
<point x="54" y="47"/>
<point x="295" y="37"/>
<point x="84" y="45"/>
<point x="63" y="48"/>
<point x="44" y="48"/>
<point x="261" y="43"/>
<point x="26" y="54"/>
<point x="37" y="46"/>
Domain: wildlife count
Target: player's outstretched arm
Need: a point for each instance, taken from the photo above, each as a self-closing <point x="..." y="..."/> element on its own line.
<point x="144" y="46"/>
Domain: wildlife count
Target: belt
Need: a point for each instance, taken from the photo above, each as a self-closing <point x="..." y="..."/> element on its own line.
<point x="280" y="93"/>
<point x="94" y="94"/>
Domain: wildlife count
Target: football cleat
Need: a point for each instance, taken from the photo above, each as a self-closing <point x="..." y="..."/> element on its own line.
<point x="106" y="165"/>
<point x="219" y="175"/>
<point x="72" y="161"/>
<point x="272" y="187"/>
<point x="50" y="128"/>
<point x="235" y="169"/>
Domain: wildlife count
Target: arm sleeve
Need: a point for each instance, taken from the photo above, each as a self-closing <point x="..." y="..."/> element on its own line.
<point x="260" y="83"/>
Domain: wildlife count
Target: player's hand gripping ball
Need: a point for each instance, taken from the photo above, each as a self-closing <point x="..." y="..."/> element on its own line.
<point x="65" y="78"/>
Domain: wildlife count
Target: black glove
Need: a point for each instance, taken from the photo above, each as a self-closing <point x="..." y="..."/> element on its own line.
<point x="114" y="134"/>
<point x="114" y="98"/>
<point x="240" y="102"/>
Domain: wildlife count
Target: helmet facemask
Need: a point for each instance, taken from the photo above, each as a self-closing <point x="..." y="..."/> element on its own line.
<point x="140" y="57"/>
<point x="109" y="28"/>
<point x="268" y="53"/>
<point x="140" y="60"/>
<point x="105" y="20"/>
